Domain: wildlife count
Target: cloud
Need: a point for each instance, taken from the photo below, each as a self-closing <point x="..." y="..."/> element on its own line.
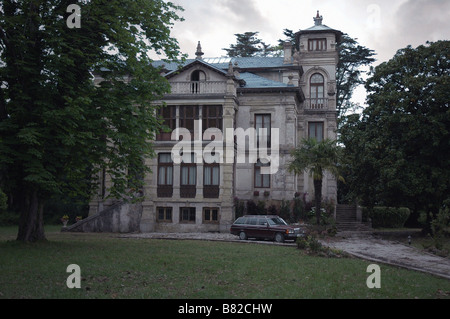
<point x="215" y="22"/>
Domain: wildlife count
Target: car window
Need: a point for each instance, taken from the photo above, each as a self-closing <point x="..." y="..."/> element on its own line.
<point x="251" y="221"/>
<point x="240" y="221"/>
<point x="276" y="221"/>
<point x="262" y="221"/>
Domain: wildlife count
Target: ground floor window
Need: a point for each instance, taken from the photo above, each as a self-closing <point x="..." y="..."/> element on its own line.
<point x="164" y="214"/>
<point x="187" y="215"/>
<point x="210" y="215"/>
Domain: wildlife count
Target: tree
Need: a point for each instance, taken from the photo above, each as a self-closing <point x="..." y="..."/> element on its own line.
<point x="352" y="57"/>
<point x="58" y="128"/>
<point x="317" y="158"/>
<point x="398" y="150"/>
<point x="248" y="45"/>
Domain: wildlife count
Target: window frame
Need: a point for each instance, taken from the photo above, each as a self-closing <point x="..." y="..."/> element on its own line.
<point x="217" y="118"/>
<point x="316" y="125"/>
<point x="185" y="119"/>
<point x="191" y="213"/>
<point x="166" y="211"/>
<point x="318" y="101"/>
<point x="257" y="167"/>
<point x="170" y="121"/>
<point x="317" y="44"/>
<point x="211" y="220"/>
<point x="263" y="123"/>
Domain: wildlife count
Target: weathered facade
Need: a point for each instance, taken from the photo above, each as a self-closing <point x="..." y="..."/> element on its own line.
<point x="292" y="97"/>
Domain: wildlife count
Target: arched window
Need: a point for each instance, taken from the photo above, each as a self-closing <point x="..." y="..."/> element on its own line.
<point x="197" y="77"/>
<point x="316" y="91"/>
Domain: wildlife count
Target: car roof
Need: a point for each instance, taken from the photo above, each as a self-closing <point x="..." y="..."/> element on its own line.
<point x="261" y="216"/>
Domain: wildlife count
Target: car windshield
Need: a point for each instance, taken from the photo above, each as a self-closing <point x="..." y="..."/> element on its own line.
<point x="276" y="221"/>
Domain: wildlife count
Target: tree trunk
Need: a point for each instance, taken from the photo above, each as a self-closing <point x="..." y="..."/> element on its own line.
<point x="318" y="197"/>
<point x="31" y="223"/>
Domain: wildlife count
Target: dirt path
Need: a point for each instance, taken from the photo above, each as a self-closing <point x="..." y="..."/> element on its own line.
<point x="367" y="246"/>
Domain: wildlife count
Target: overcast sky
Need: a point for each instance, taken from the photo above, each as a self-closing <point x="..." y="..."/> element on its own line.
<point x="384" y="25"/>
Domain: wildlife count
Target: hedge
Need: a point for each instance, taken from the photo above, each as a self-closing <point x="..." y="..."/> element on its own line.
<point x="389" y="217"/>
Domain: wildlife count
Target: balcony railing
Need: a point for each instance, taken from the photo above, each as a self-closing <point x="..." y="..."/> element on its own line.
<point x="198" y="87"/>
<point x="165" y="191"/>
<point x="316" y="104"/>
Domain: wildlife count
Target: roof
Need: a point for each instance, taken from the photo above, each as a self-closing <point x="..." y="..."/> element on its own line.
<point x="255" y="81"/>
<point x="318" y="27"/>
<point x="223" y="62"/>
<point x="245" y="65"/>
<point x="188" y="65"/>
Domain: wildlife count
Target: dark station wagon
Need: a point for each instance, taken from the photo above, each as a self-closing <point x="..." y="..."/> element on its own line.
<point x="265" y="227"/>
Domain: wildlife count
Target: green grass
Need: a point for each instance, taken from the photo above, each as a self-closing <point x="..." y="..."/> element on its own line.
<point x="114" y="267"/>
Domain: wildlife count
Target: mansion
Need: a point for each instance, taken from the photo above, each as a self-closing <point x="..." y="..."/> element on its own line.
<point x="290" y="98"/>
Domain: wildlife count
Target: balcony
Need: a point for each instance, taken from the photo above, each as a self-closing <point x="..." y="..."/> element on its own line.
<point x="165" y="191"/>
<point x="198" y="87"/>
<point x="316" y="104"/>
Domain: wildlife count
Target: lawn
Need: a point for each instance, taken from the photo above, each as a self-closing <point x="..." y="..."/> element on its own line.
<point x="113" y="267"/>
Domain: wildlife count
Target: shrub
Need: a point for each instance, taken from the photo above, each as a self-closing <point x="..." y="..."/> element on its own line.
<point x="261" y="208"/>
<point x="302" y="243"/>
<point x="440" y="224"/>
<point x="313" y="247"/>
<point x="272" y="209"/>
<point x="298" y="210"/>
<point x="239" y="207"/>
<point x="285" y="211"/>
<point x="390" y="217"/>
<point x="251" y="207"/>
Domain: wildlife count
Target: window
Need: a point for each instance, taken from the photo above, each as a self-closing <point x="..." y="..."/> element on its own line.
<point x="212" y="117"/>
<point x="210" y="215"/>
<point x="187" y="215"/>
<point x="164" y="214"/>
<point x="196" y="78"/>
<point x="315" y="130"/>
<point x="168" y="114"/>
<point x="211" y="174"/>
<point x="316" y="90"/>
<point x="165" y="175"/>
<point x="188" y="114"/>
<point x="317" y="44"/>
<point x="263" y="121"/>
<point x="261" y="180"/>
<point x="188" y="178"/>
<point x="211" y="177"/>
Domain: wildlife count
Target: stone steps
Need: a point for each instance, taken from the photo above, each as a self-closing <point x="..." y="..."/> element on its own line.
<point x="346" y="219"/>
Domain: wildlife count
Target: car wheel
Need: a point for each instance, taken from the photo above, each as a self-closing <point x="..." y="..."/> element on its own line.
<point x="242" y="235"/>
<point x="279" y="238"/>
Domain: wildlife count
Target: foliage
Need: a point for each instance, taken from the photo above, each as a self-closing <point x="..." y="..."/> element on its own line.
<point x="285" y="212"/>
<point x="317" y="158"/>
<point x="248" y="45"/>
<point x="349" y="74"/>
<point x="389" y="217"/>
<point x="58" y="128"/>
<point x="314" y="247"/>
<point x="3" y="202"/>
<point x="440" y="224"/>
<point x="394" y="152"/>
<point x="239" y="207"/>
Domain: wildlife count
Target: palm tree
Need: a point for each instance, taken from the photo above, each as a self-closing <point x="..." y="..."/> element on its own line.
<point x="316" y="157"/>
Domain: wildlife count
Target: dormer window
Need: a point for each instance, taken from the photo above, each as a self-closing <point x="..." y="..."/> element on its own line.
<point x="317" y="44"/>
<point x="197" y="77"/>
